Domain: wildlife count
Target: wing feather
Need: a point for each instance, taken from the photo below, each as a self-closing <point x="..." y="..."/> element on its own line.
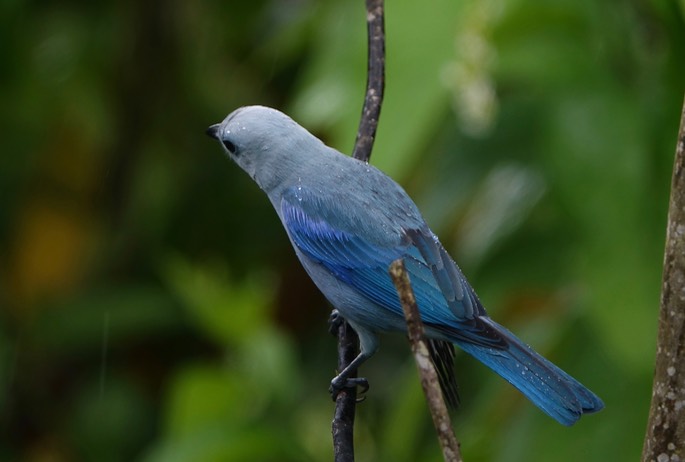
<point x="446" y="301"/>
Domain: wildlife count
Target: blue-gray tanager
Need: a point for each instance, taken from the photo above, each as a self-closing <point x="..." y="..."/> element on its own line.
<point x="347" y="222"/>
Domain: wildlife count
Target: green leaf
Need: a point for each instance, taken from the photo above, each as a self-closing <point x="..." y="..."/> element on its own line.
<point x="227" y="311"/>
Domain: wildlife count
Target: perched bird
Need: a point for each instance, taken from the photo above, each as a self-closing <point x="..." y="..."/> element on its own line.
<point x="348" y="222"/>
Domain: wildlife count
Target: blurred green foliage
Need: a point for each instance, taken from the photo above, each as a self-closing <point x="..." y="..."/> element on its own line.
<point x="150" y="306"/>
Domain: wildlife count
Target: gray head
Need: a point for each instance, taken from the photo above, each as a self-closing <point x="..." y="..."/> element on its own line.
<point x="266" y="143"/>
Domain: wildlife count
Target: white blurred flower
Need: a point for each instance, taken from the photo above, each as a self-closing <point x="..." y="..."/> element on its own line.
<point x="468" y="76"/>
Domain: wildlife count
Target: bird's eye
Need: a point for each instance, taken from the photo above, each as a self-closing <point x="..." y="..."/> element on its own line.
<point x="229" y="146"/>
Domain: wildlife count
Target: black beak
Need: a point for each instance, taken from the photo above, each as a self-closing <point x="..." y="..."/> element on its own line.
<point x="213" y="131"/>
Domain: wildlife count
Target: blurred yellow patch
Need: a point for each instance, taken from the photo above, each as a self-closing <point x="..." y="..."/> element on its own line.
<point x="49" y="253"/>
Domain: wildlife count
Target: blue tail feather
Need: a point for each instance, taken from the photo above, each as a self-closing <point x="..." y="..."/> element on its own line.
<point x="552" y="390"/>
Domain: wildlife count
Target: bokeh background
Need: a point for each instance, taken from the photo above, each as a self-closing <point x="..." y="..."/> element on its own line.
<point x="150" y="305"/>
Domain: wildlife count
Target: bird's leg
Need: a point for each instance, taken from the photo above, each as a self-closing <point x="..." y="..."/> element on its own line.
<point x="342" y="380"/>
<point x="368" y="344"/>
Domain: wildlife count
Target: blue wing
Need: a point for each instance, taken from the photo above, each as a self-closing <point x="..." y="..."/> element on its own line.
<point x="445" y="300"/>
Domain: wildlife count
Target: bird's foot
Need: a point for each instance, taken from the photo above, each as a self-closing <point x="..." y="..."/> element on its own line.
<point x="335" y="320"/>
<point x="339" y="383"/>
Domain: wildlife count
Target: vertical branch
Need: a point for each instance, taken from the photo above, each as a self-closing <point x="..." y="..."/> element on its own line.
<point x="345" y="402"/>
<point x="665" y="437"/>
<point x="429" y="377"/>
<point x="375" y="81"/>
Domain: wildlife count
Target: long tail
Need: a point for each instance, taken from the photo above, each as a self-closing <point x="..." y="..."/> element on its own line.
<point x="554" y="391"/>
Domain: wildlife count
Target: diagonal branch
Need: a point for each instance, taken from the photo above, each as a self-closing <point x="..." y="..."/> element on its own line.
<point x="429" y="378"/>
<point x="665" y="437"/>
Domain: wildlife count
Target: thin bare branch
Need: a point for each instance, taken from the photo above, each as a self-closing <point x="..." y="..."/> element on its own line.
<point x="345" y="403"/>
<point x="375" y="81"/>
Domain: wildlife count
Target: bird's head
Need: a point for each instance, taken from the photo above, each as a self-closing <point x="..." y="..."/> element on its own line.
<point x="264" y="142"/>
